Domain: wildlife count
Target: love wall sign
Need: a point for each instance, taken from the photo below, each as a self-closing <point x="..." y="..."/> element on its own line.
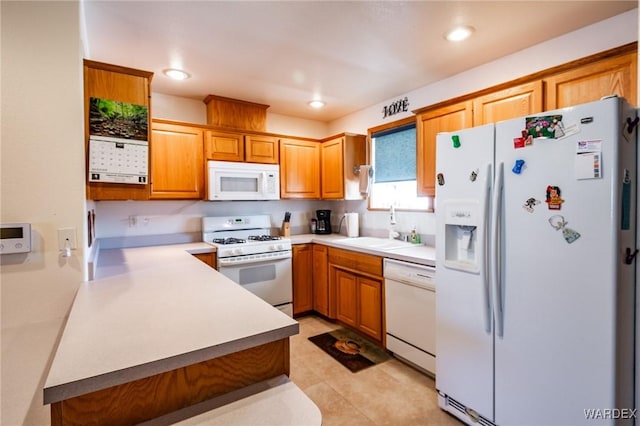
<point x="401" y="105"/>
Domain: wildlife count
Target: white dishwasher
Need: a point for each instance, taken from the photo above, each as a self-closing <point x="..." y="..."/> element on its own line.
<point x="410" y="299"/>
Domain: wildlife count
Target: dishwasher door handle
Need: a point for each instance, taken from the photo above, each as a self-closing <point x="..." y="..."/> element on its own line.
<point x="428" y="287"/>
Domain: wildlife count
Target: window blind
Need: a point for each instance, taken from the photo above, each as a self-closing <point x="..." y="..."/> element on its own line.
<point x="395" y="154"/>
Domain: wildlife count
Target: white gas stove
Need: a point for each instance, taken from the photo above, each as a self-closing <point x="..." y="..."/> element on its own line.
<point x="236" y="236"/>
<point x="248" y="254"/>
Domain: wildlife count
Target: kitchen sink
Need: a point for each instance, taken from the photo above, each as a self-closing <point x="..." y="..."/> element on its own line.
<point x="374" y="243"/>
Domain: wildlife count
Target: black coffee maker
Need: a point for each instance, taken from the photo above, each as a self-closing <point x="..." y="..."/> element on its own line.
<point x="324" y="222"/>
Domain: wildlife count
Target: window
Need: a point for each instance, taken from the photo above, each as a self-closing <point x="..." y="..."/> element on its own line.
<point x="393" y="158"/>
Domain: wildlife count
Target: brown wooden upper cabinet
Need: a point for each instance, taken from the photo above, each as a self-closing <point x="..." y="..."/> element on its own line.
<point x="177" y="167"/>
<point x="236" y="114"/>
<point x="339" y="156"/>
<point x="261" y="149"/>
<point x="428" y="125"/>
<point x="299" y="169"/>
<point x="231" y="146"/>
<point x="590" y="82"/>
<point x="223" y="146"/>
<point x="122" y="84"/>
<point x="512" y="102"/>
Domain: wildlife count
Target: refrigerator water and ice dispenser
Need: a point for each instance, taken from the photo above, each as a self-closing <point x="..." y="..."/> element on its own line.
<point x="463" y="225"/>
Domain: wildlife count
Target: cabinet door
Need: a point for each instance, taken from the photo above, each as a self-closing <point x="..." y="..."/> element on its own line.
<point x="346" y="303"/>
<point x="320" y="280"/>
<point x="332" y="169"/>
<point x="261" y="149"/>
<point x="428" y="125"/>
<point x="302" y="278"/>
<point x="116" y="83"/>
<point x="612" y="76"/>
<point x="299" y="169"/>
<point x="177" y="166"/>
<point x="512" y="102"/>
<point x="370" y="307"/>
<point x="223" y="146"/>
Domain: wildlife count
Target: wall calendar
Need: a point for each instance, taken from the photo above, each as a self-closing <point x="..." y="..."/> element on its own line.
<point x="118" y="142"/>
<point x="118" y="161"/>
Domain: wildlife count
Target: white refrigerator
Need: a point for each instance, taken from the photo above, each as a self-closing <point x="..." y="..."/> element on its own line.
<point x="535" y="246"/>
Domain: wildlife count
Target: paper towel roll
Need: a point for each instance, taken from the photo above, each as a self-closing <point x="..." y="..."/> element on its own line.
<point x="351" y="220"/>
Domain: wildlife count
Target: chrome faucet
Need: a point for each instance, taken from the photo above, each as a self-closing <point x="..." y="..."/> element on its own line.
<point x="392" y="222"/>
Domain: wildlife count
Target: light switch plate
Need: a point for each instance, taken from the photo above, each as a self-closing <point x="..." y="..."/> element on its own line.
<point x="65" y="234"/>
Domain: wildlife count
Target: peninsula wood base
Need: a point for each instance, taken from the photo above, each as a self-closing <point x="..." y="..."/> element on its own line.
<point x="154" y="396"/>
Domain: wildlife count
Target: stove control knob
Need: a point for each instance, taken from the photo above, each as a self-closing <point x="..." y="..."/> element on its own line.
<point x="272" y="248"/>
<point x="280" y="247"/>
<point x="237" y="251"/>
<point x="228" y="252"/>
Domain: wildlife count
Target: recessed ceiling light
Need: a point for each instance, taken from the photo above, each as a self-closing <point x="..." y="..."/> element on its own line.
<point x="176" y="74"/>
<point x="316" y="104"/>
<point x="459" y="33"/>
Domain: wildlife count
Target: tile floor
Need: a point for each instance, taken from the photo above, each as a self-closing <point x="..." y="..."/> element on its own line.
<point x="390" y="393"/>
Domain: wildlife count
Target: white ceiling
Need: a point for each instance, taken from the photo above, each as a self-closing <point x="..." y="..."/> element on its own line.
<point x="350" y="54"/>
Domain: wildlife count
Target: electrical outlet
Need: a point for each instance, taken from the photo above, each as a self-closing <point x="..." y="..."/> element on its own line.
<point x="67" y="238"/>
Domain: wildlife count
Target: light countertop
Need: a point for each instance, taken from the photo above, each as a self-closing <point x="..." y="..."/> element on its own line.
<point x="152" y="310"/>
<point x="415" y="253"/>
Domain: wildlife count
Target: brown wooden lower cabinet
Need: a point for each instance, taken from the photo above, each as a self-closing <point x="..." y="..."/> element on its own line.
<point x="356" y="291"/>
<point x="145" y="399"/>
<point x="346" y="297"/>
<point x="359" y="302"/>
<point x="320" y="280"/>
<point x="370" y="306"/>
<point x="302" y="278"/>
<point x="208" y="258"/>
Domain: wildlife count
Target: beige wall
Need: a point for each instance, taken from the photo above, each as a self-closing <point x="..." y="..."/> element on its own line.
<point x="619" y="30"/>
<point x="42" y="182"/>
<point x="193" y="111"/>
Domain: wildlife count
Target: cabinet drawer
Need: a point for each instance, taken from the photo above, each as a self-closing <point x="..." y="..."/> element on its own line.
<point x="360" y="262"/>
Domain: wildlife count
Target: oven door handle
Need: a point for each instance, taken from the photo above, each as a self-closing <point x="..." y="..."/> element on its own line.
<point x="225" y="262"/>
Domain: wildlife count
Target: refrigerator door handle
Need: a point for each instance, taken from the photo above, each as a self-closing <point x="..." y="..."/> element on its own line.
<point x="484" y="261"/>
<point x="496" y="267"/>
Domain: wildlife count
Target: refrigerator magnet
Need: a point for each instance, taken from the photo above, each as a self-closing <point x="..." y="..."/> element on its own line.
<point x="456" y="141"/>
<point x="525" y="140"/>
<point x="440" y="178"/>
<point x="546" y="127"/>
<point x="474" y="175"/>
<point x="530" y="204"/>
<point x="517" y="167"/>
<point x="553" y="197"/>
<point x="558" y="223"/>
<point x="632" y="124"/>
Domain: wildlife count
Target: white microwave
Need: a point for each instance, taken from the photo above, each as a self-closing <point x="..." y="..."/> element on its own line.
<point x="229" y="180"/>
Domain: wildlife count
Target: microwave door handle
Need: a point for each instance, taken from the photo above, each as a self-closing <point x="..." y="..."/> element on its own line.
<point x="264" y="183"/>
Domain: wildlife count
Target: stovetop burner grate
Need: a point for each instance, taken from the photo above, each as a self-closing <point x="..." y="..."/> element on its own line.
<point x="263" y="237"/>
<point x="228" y="240"/>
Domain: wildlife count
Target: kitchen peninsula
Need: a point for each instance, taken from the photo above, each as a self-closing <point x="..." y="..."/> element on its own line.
<point x="159" y="331"/>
